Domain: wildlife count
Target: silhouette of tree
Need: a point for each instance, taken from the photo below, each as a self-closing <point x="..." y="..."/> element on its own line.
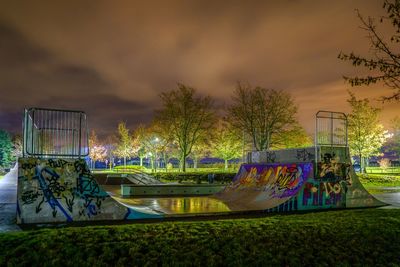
<point x="384" y="63"/>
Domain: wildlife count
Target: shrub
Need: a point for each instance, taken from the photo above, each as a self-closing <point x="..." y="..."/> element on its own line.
<point x="194" y="177"/>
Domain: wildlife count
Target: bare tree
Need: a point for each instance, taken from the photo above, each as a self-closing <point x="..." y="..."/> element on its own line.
<point x="186" y="116"/>
<point x="384" y="63"/>
<point x="264" y="114"/>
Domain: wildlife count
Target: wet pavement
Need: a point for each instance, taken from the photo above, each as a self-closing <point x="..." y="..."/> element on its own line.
<point x="389" y="195"/>
<point x="8" y="200"/>
<point x="168" y="205"/>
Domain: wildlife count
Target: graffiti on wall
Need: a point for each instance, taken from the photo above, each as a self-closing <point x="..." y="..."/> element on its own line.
<point x="63" y="190"/>
<point x="279" y="180"/>
<point x="304" y="155"/>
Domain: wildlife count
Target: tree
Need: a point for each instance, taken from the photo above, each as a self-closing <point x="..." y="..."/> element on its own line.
<point x="17" y="146"/>
<point x="5" y="149"/>
<point x="140" y="133"/>
<point x="110" y="146"/>
<point x="264" y="114"/>
<point x="297" y="137"/>
<point x="127" y="146"/>
<point x="152" y="142"/>
<point x="186" y="116"/>
<point x="384" y="63"/>
<point x="366" y="135"/>
<point x="199" y="150"/>
<point x="393" y="142"/>
<point x="227" y="143"/>
<point x="97" y="151"/>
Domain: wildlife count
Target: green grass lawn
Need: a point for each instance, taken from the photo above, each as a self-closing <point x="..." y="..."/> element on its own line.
<point x="388" y="170"/>
<point x="367" y="237"/>
<point x="379" y="180"/>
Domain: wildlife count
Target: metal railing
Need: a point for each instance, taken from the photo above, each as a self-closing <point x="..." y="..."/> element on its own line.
<point x="55" y="133"/>
<point x="331" y="129"/>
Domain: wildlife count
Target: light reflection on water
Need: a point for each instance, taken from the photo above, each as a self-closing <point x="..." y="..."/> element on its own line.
<point x="172" y="205"/>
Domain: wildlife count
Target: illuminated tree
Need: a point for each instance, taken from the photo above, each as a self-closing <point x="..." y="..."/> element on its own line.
<point x="384" y="63"/>
<point x="17" y="147"/>
<point x="393" y="142"/>
<point x="5" y="149"/>
<point x="366" y="135"/>
<point x="227" y="143"/>
<point x="297" y="137"/>
<point x="263" y="114"/>
<point x="188" y="117"/>
<point x="127" y="146"/>
<point x="110" y="146"/>
<point x="140" y="133"/>
<point x="199" y="150"/>
<point x="97" y="152"/>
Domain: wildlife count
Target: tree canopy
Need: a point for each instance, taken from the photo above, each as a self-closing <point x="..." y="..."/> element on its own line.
<point x="227" y="143"/>
<point x="6" y="147"/>
<point x="97" y="151"/>
<point x="186" y="116"/>
<point x="126" y="145"/>
<point x="384" y="61"/>
<point x="366" y="134"/>
<point x="264" y="114"/>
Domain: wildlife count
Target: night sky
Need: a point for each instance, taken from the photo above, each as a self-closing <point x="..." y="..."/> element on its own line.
<point x="113" y="58"/>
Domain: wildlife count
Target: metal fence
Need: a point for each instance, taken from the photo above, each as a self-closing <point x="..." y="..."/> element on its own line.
<point x="55" y="133"/>
<point x="331" y="129"/>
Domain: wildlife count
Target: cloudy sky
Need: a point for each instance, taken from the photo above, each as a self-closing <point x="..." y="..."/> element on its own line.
<point x="113" y="58"/>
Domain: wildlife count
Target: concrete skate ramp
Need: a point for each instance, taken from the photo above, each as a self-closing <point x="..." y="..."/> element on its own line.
<point x="63" y="190"/>
<point x="283" y="187"/>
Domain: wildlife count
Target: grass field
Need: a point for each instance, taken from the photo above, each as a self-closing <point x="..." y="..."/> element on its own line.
<point x="379" y="180"/>
<point x="367" y="237"/>
<point x="389" y="170"/>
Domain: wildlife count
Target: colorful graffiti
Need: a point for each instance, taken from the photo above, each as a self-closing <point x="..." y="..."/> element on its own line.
<point x="256" y="185"/>
<point x="56" y="190"/>
<point x="281" y="180"/>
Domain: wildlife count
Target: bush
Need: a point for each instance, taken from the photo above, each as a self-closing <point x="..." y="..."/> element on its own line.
<point x="129" y="168"/>
<point x="379" y="179"/>
<point x="220" y="177"/>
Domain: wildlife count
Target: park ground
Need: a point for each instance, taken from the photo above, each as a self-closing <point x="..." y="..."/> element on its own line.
<point x="361" y="237"/>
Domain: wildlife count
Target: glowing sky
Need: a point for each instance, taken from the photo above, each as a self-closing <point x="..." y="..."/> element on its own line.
<point x="113" y="58"/>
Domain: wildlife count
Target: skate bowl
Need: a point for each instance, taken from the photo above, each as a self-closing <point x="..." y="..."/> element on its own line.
<point x="55" y="184"/>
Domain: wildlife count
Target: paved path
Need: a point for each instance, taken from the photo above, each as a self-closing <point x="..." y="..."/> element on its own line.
<point x="8" y="200"/>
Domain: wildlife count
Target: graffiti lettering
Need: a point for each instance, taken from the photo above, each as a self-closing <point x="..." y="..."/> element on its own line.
<point x="59" y="163"/>
<point x="304" y="155"/>
<point x="28" y="165"/>
<point x="270" y="156"/>
<point x="30" y="196"/>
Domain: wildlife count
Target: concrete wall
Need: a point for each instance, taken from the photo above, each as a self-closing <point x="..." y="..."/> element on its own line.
<point x="63" y="190"/>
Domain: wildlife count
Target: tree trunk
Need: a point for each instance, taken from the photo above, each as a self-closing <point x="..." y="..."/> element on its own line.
<point x="111" y="163"/>
<point x="226" y="164"/>
<point x="141" y="161"/>
<point x="361" y="164"/>
<point x="195" y="163"/>
<point x="183" y="163"/>
<point x="165" y="162"/>
<point x="125" y="162"/>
